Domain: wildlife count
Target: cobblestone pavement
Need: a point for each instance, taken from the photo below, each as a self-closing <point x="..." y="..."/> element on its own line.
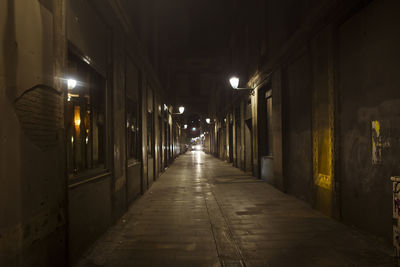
<point x="204" y="212"/>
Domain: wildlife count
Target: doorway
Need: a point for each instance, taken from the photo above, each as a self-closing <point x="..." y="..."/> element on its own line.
<point x="248" y="146"/>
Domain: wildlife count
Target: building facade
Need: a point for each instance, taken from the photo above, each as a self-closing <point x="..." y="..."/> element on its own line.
<point x="86" y="126"/>
<point x="321" y="121"/>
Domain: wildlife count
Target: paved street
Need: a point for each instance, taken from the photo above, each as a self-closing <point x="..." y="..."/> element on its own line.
<point x="204" y="212"/>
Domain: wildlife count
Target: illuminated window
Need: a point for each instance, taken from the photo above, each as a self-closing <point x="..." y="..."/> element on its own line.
<point x="85" y="117"/>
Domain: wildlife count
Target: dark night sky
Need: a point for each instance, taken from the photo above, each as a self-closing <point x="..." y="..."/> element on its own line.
<point x="193" y="44"/>
<point x="193" y="40"/>
<point x="194" y="28"/>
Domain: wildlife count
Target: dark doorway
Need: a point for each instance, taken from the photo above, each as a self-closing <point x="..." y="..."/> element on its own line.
<point x="248" y="146"/>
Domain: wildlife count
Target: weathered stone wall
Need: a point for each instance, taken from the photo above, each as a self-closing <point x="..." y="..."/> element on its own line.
<point x="32" y="166"/>
<point x="368" y="88"/>
<point x="35" y="216"/>
<point x="333" y="74"/>
<point x="297" y="123"/>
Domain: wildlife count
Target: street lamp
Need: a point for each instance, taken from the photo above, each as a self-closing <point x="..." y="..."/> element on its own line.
<point x="208" y="120"/>
<point x="234" y="81"/>
<point x="71" y="84"/>
<point x="181" y="110"/>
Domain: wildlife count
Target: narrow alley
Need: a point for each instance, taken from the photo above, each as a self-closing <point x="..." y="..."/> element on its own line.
<point x="199" y="133"/>
<point x="204" y="212"/>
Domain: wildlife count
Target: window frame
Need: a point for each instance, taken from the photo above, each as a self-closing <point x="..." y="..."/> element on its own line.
<point x="89" y="173"/>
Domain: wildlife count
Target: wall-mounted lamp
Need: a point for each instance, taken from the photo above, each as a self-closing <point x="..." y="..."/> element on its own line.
<point x="71" y="84"/>
<point x="234" y="81"/>
<point x="185" y="126"/>
<point x="208" y="120"/>
<point x="181" y="110"/>
<point x="194" y="129"/>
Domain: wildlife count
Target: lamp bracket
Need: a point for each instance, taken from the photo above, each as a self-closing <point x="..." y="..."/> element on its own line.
<point x="251" y="90"/>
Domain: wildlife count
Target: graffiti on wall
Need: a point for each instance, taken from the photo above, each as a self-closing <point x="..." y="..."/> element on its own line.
<point x="376" y="142"/>
<point x="379" y="141"/>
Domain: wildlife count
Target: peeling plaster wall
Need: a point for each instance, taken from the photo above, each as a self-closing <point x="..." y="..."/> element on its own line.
<point x="32" y="195"/>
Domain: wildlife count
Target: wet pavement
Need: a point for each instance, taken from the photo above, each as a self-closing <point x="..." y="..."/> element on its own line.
<point x="204" y="212"/>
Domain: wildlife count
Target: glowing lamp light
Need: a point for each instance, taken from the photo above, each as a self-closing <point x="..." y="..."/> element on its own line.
<point x="208" y="120"/>
<point x="77" y="116"/>
<point x="234" y="81"/>
<point x="185" y="126"/>
<point x="181" y="109"/>
<point x="194" y="129"/>
<point x="71" y="84"/>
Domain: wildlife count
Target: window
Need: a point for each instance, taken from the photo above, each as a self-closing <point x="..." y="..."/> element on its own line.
<point x="132" y="112"/>
<point x="85" y="117"/>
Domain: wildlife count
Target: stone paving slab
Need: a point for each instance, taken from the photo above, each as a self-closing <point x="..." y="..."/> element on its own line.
<point x="204" y="212"/>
